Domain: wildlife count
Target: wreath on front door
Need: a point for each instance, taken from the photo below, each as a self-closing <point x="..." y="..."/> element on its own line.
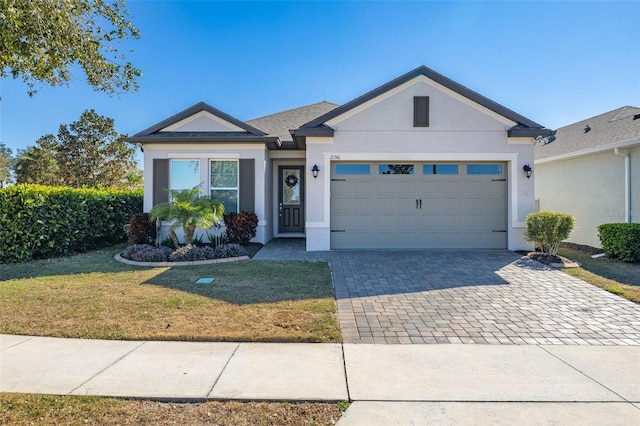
<point x="291" y="181"/>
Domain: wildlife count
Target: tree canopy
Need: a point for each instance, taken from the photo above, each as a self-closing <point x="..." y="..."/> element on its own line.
<point x="88" y="152"/>
<point x="42" y="41"/>
<point x="5" y="165"/>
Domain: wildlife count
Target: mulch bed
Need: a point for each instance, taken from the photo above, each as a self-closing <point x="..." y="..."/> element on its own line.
<point x="551" y="260"/>
<point x="252" y="248"/>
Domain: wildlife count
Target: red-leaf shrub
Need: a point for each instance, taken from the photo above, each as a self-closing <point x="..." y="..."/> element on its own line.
<point x="141" y="229"/>
<point x="241" y="227"/>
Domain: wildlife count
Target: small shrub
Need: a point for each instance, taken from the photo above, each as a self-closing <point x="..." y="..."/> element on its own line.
<point x="168" y="242"/>
<point x="241" y="227"/>
<point x="198" y="240"/>
<point x="229" y="250"/>
<point x="190" y="253"/>
<point x="146" y="253"/>
<point x="620" y="240"/>
<point x="216" y="240"/>
<point x="547" y="229"/>
<point x="141" y="229"/>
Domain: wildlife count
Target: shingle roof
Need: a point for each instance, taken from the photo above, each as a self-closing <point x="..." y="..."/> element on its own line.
<point x="611" y="127"/>
<point x="280" y="123"/>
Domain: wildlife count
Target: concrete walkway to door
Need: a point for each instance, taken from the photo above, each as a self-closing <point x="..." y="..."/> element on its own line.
<point x="481" y="297"/>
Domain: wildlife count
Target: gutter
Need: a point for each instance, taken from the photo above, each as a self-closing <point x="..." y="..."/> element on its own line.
<point x="589" y="151"/>
<point x="627" y="183"/>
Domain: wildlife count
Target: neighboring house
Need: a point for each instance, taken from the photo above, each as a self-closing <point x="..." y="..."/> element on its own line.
<point x="592" y="171"/>
<point x="420" y="162"/>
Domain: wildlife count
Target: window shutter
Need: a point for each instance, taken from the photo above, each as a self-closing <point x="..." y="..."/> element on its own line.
<point x="160" y="181"/>
<point x="247" y="184"/>
<point x="421" y="111"/>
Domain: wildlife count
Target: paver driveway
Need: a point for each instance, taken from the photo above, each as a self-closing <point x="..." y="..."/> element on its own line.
<point x="488" y="297"/>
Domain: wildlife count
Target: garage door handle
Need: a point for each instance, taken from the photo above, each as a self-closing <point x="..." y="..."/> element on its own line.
<point x="420" y="203"/>
<point x="499" y="230"/>
<point x="416" y="203"/>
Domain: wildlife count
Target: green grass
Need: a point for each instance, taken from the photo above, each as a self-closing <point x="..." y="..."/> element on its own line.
<point x="623" y="272"/>
<point x="92" y="296"/>
<point x="617" y="277"/>
<point x="26" y="409"/>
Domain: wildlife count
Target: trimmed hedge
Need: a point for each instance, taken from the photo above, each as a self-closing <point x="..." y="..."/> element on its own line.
<point x="620" y="240"/>
<point x="42" y="221"/>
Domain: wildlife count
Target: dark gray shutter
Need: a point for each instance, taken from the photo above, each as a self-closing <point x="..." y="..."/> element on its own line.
<point x="160" y="181"/>
<point x="247" y="184"/>
<point x="421" y="111"/>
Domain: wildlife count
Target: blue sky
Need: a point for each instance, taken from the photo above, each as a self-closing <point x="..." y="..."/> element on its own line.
<point x="553" y="62"/>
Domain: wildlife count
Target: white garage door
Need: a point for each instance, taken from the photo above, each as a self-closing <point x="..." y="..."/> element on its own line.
<point x="418" y="205"/>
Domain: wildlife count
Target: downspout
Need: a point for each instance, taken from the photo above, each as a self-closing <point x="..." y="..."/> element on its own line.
<point x="627" y="183"/>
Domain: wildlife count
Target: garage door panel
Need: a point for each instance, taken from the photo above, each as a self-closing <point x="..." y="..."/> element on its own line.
<point x="384" y="211"/>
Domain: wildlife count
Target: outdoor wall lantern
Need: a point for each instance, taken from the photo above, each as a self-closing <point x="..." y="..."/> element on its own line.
<point x="527" y="170"/>
<point x="315" y="170"/>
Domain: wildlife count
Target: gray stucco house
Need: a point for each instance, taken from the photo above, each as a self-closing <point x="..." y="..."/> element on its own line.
<point x="592" y="171"/>
<point x="419" y="162"/>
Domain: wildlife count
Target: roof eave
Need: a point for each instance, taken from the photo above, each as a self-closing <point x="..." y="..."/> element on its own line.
<point x="271" y="142"/>
<point x="589" y="151"/>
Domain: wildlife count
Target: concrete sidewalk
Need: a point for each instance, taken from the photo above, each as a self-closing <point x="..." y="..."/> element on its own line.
<point x="390" y="384"/>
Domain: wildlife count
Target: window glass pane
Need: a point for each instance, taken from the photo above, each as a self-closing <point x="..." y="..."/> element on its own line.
<point x="484" y="169"/>
<point x="185" y="174"/>
<point x="228" y="197"/>
<point x="224" y="174"/>
<point x="440" y="169"/>
<point x="353" y="169"/>
<point x="396" y="169"/>
<point x="291" y="186"/>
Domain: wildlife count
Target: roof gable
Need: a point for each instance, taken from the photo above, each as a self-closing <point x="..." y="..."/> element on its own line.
<point x="175" y="122"/>
<point x="594" y="134"/>
<point x="522" y="122"/>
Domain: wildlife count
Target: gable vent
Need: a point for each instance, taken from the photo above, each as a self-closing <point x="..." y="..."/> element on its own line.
<point x="420" y="111"/>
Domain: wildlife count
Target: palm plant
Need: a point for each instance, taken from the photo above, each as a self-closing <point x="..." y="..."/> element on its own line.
<point x="188" y="210"/>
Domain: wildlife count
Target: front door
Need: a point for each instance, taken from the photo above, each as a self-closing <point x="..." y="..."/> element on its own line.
<point x="291" y="199"/>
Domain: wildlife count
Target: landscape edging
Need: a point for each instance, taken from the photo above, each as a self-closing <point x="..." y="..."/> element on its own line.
<point x="191" y="263"/>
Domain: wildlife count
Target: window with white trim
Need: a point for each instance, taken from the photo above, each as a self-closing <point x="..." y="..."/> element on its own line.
<point x="225" y="183"/>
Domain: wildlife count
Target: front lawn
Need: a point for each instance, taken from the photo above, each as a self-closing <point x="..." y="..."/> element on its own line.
<point x="92" y="296"/>
<point x="22" y="409"/>
<point x="609" y="274"/>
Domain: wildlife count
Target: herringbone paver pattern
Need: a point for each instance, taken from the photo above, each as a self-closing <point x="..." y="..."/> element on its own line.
<point x="486" y="297"/>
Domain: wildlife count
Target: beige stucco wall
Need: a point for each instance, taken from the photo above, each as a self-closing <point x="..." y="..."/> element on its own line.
<point x="206" y="152"/>
<point x="591" y="188"/>
<point x="382" y="129"/>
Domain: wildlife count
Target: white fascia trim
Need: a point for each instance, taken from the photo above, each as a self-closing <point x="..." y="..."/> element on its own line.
<point x="288" y="154"/>
<point x="521" y="141"/>
<point x="421" y="156"/>
<point x="200" y="154"/>
<point x="589" y="151"/>
<point x="508" y="123"/>
<point x="324" y="140"/>
<point x="185" y="121"/>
